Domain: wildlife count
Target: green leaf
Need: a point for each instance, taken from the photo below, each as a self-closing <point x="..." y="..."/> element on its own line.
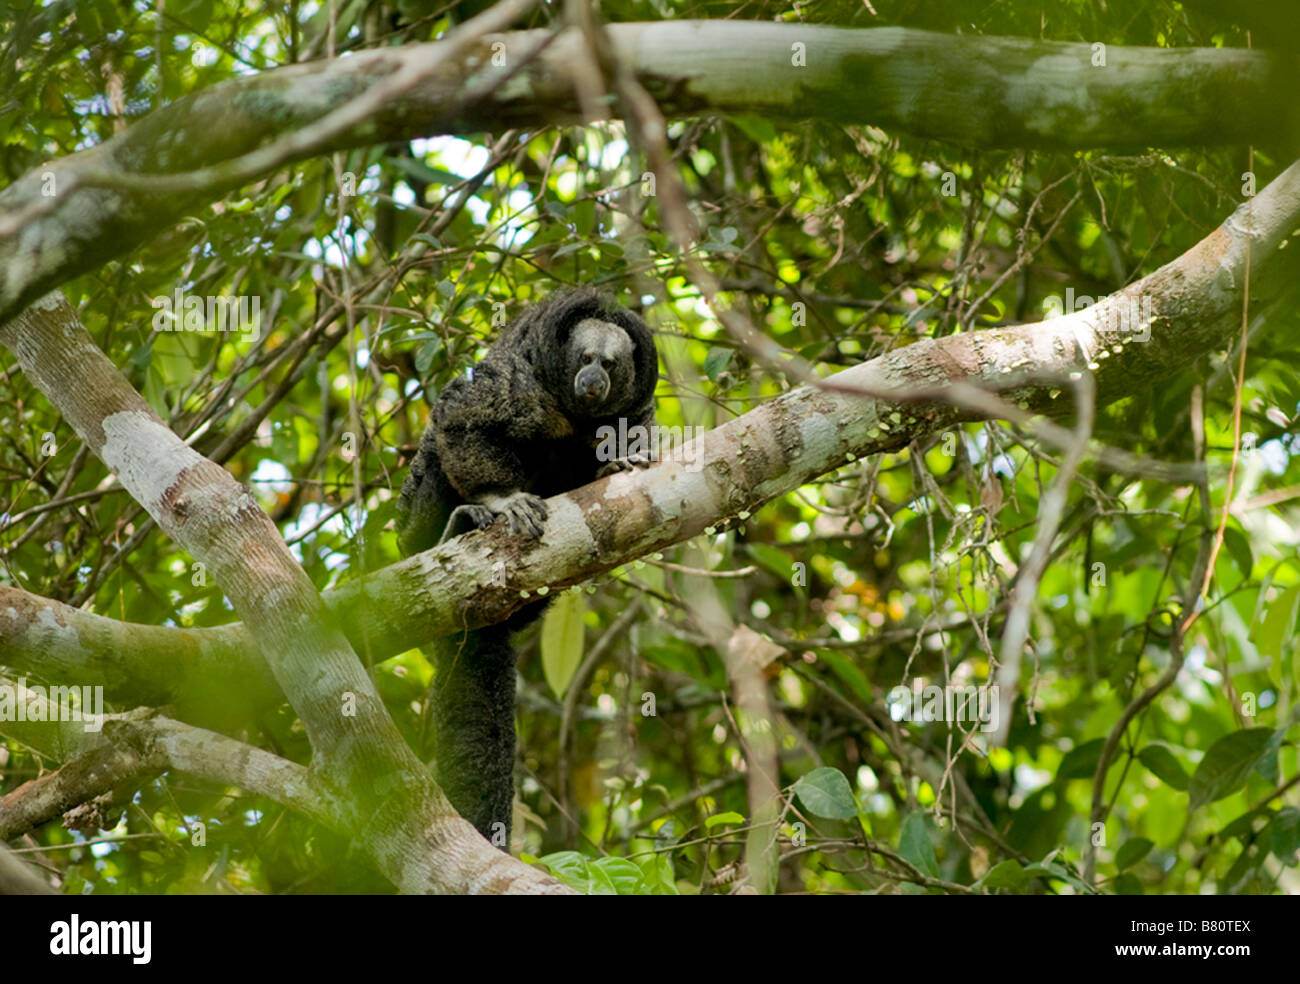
<point x="776" y="561"/>
<point x="611" y="876"/>
<point x="847" y="669"/>
<point x="1008" y="874"/>
<point x="424" y="358"/>
<point x="1284" y="834"/>
<point x="569" y="867"/>
<point x="678" y="656"/>
<point x="721" y="240"/>
<point x="1250" y="858"/>
<point x="1227" y="764"/>
<point x="1239" y="549"/>
<point x="1051" y="869"/>
<point x="826" y="793"/>
<point x="1127" y="884"/>
<point x="584" y="217"/>
<point x="624" y="876"/>
<point x="729" y="817"/>
<point x="1267" y="766"/>
<point x="915" y="845"/>
<point x="757" y="128"/>
<point x="1245" y="827"/>
<point x="716" y="362"/>
<point x="657" y="873"/>
<point x="562" y="638"/>
<point x="599" y="881"/>
<point x="1080" y="762"/>
<point x="568" y="248"/>
<point x="142" y="356"/>
<point x="1279" y="623"/>
<point x="1132" y="851"/>
<point x="420" y="172"/>
<point x="1163" y="765"/>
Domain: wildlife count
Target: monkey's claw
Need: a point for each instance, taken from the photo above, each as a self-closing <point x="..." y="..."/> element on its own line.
<point x="524" y="512"/>
<point x="630" y="463"/>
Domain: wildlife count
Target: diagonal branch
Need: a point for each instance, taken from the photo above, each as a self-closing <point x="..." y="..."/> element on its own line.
<point x="1188" y="307"/>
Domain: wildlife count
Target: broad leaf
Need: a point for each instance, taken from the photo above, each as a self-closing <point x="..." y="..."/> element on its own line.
<point x="1132" y="851"/>
<point x="826" y="793"/>
<point x="915" y="844"/>
<point x="1227" y="764"/>
<point x="562" y="638"/>
<point x="1162" y="763"/>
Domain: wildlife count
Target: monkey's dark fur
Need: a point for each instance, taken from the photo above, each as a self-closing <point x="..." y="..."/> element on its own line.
<point x="522" y="428"/>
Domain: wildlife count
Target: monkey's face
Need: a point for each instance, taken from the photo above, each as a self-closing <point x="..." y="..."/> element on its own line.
<point x="601" y="363"/>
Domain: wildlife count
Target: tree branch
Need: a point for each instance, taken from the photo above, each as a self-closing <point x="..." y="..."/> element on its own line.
<point x="1188" y="306"/>
<point x="973" y="91"/>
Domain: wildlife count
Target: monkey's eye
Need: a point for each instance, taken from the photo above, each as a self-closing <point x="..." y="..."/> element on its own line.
<point x="587" y="359"/>
<point x="607" y="364"/>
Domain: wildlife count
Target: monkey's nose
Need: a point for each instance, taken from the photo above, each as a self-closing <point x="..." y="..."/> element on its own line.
<point x="592" y="390"/>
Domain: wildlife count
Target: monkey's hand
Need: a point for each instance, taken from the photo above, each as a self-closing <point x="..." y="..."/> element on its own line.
<point x="523" y="511"/>
<point x="630" y="463"/>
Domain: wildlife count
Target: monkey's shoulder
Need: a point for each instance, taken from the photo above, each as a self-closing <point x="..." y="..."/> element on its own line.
<point x="503" y="394"/>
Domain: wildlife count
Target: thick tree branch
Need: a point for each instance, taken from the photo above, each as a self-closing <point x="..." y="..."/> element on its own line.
<point x="19" y="878"/>
<point x="215" y="671"/>
<point x="1189" y="307"/>
<point x="131" y="747"/>
<point x="974" y="91"/>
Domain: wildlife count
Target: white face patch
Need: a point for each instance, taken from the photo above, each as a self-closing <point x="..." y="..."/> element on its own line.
<point x="603" y="339"/>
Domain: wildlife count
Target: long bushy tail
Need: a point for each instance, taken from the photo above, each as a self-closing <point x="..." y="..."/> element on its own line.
<point x="474" y="689"/>
<point x="474" y="726"/>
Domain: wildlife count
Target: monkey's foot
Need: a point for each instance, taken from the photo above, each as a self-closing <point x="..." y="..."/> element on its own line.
<point x="523" y="511"/>
<point x="630" y="463"/>
<point x="470" y="516"/>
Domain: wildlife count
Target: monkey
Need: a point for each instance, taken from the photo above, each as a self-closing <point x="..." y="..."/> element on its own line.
<point x="522" y="426"/>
